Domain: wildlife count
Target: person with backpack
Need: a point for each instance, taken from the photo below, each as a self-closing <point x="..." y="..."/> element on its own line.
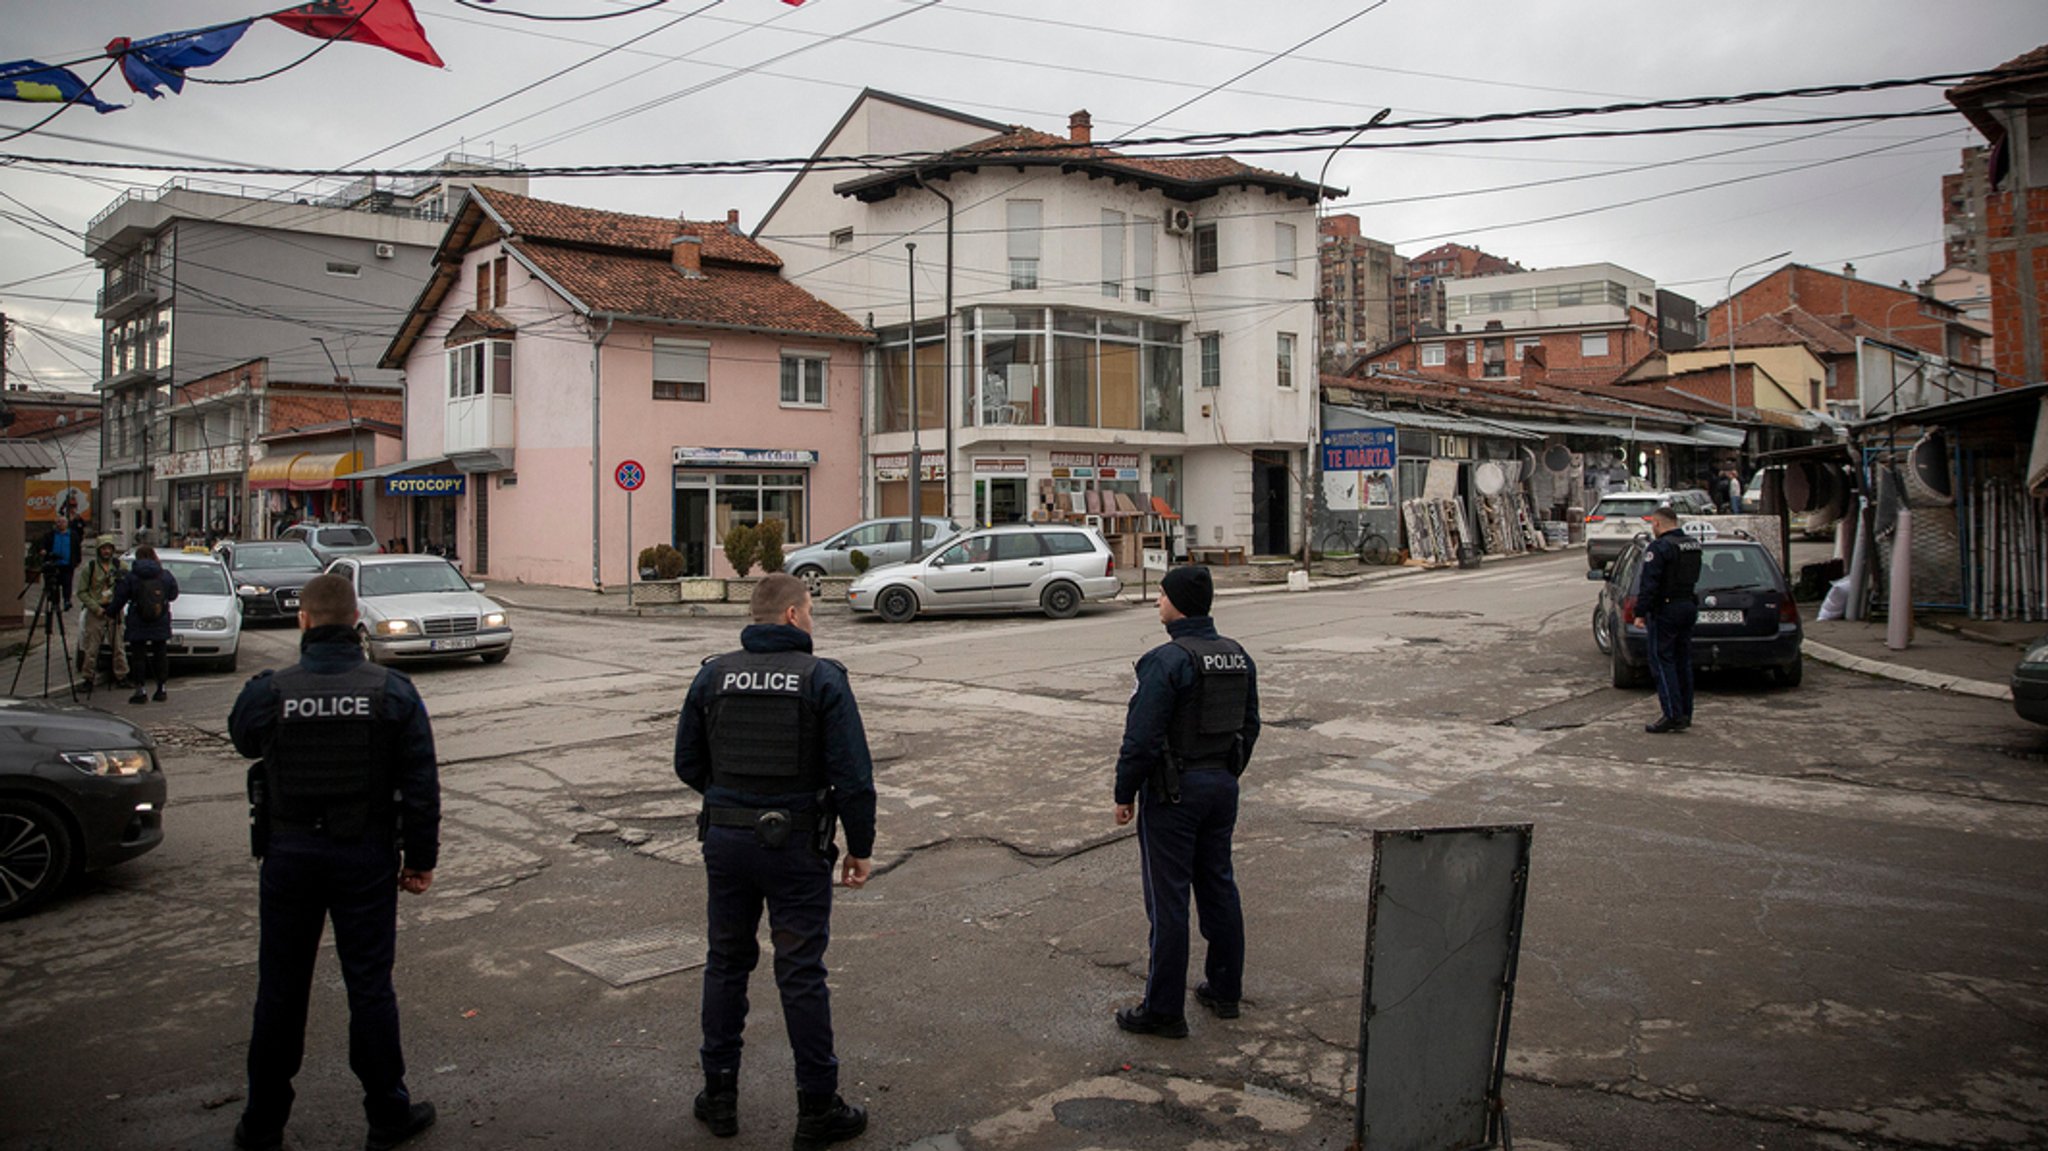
<point x="95" y="588"/>
<point x="146" y="591"/>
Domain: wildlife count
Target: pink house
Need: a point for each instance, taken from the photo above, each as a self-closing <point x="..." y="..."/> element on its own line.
<point x="559" y="350"/>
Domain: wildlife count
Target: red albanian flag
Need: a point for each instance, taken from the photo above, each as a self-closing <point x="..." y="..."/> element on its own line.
<point x="384" y="23"/>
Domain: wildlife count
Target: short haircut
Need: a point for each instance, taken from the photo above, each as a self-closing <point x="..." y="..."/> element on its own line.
<point x="328" y="599"/>
<point x="1666" y="513"/>
<point x="145" y="552"/>
<point x="776" y="593"/>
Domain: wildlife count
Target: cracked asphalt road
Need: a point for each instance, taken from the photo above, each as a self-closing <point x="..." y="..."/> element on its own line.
<point x="1815" y="921"/>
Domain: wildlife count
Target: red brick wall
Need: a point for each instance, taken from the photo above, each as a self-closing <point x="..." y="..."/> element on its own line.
<point x="289" y="409"/>
<point x="1829" y="296"/>
<point x="2008" y="306"/>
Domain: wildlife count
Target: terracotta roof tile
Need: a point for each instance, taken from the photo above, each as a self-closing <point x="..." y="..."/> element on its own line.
<point x="533" y="219"/>
<point x="1199" y="169"/>
<point x="2035" y="61"/>
<point x="728" y="296"/>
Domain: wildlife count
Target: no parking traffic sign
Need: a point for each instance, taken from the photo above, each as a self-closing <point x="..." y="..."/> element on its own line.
<point x="630" y="475"/>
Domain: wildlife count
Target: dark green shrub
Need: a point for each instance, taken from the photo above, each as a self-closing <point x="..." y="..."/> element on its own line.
<point x="742" y="543"/>
<point x="768" y="544"/>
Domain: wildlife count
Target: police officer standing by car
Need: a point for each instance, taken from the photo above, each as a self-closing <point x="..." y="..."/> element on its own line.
<point x="1188" y="734"/>
<point x="1667" y="609"/>
<point x="771" y="736"/>
<point x="347" y="783"/>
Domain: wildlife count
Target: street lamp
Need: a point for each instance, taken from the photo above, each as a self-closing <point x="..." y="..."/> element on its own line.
<point x="916" y="445"/>
<point x="1728" y="296"/>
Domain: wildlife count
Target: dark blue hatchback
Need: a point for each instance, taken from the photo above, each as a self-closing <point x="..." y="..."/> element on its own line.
<point x="1747" y="620"/>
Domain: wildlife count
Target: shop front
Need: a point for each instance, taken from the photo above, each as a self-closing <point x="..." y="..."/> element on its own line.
<point x="205" y="490"/>
<point x="297" y="486"/>
<point x="892" y="485"/>
<point x="717" y="489"/>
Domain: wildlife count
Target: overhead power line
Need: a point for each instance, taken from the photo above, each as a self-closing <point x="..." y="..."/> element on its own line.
<point x="872" y="162"/>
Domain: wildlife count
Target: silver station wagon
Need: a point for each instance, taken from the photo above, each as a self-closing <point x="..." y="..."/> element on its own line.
<point x="1052" y="567"/>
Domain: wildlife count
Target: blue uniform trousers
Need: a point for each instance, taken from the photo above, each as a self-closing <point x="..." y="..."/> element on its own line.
<point x="307" y="879"/>
<point x="1182" y="846"/>
<point x="1669" y="632"/>
<point x="795" y="884"/>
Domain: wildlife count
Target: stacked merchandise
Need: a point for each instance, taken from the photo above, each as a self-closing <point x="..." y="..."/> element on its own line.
<point x="1436" y="529"/>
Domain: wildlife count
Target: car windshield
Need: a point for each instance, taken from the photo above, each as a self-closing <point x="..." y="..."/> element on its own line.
<point x="1636" y="506"/>
<point x="290" y="557"/>
<point x="1730" y="568"/>
<point x="409" y="578"/>
<point x="944" y="540"/>
<point x="198" y="578"/>
<point x="346" y="538"/>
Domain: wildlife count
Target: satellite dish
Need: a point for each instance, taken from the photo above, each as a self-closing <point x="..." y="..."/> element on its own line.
<point x="1928" y="470"/>
<point x="1557" y="458"/>
<point x="1490" y="478"/>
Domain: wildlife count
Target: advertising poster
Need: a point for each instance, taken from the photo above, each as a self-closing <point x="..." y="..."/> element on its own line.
<point x="48" y="498"/>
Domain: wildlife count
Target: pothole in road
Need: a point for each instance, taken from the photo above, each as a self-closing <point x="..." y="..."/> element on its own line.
<point x="1440" y="614"/>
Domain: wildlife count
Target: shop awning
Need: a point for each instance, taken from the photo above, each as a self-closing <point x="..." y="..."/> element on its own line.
<point x="382" y="470"/>
<point x="1624" y="434"/>
<point x="317" y="473"/>
<point x="273" y="471"/>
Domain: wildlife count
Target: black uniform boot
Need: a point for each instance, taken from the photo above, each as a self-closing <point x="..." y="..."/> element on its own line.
<point x="718" y="1105"/>
<point x="823" y="1119"/>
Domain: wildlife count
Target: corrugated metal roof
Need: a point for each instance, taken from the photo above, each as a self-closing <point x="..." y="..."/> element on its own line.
<point x="1436" y="423"/>
<point x="24" y="456"/>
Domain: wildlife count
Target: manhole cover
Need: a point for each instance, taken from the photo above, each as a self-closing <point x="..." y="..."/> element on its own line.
<point x="637" y="957"/>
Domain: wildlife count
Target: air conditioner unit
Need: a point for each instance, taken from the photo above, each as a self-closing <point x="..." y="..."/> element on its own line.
<point x="387" y="251"/>
<point x="1179" y="221"/>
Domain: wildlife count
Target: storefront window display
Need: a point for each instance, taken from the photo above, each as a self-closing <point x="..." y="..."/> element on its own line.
<point x="1031" y="366"/>
<point x="892" y="379"/>
<point x="708" y="504"/>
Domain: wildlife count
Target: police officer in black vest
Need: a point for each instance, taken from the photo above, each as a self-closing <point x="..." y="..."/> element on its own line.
<point x="347" y="784"/>
<point x="1667" y="609"/>
<point x="1188" y="734"/>
<point x="773" y="739"/>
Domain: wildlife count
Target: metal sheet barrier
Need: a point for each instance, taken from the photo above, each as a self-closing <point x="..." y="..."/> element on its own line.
<point x="1443" y="930"/>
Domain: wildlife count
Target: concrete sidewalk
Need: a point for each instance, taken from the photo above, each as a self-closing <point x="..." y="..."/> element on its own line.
<point x="1945" y="653"/>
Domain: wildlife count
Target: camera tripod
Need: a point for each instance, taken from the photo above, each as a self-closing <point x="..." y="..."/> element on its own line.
<point x="49" y="616"/>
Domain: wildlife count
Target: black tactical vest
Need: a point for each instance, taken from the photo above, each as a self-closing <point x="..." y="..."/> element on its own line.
<point x="1207" y="720"/>
<point x="764" y="737"/>
<point x="327" y="765"/>
<point x="1682" y="556"/>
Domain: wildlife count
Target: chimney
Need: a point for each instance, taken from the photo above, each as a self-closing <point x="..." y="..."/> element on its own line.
<point x="686" y="252"/>
<point x="1849" y="270"/>
<point x="732" y="220"/>
<point x="1080" y="127"/>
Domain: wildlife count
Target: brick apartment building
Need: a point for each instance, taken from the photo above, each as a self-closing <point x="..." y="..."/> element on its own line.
<point x="1359" y="301"/>
<point x="2010" y="108"/>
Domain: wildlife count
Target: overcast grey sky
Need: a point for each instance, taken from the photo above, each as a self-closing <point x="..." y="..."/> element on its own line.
<point x="1033" y="63"/>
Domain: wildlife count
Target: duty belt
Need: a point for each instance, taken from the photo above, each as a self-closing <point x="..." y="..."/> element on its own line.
<point x="1220" y="763"/>
<point x="801" y="821"/>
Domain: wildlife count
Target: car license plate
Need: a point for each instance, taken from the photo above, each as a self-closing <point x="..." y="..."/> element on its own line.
<point x="291" y="601"/>
<point x="1720" y="617"/>
<point x="459" y="643"/>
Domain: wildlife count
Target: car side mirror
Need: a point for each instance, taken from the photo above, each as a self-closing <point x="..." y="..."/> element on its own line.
<point x="1597" y="575"/>
<point x="475" y="586"/>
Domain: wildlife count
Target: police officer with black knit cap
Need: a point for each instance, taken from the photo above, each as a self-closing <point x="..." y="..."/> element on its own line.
<point x="1188" y="734"/>
<point x="771" y="736"/>
<point x="346" y="811"/>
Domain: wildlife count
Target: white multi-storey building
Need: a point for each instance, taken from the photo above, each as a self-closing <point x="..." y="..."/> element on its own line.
<point x="1109" y="324"/>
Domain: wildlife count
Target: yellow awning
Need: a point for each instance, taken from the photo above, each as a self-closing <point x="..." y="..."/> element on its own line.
<point x="319" y="473"/>
<point x="273" y="471"/>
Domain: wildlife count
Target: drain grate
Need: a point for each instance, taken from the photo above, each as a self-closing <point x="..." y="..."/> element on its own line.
<point x="637" y="957"/>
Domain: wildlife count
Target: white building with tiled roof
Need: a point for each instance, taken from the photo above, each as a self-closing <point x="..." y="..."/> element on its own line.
<point x="1094" y="329"/>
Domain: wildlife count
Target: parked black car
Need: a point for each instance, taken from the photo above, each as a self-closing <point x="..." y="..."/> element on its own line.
<point x="268" y="575"/>
<point x="79" y="790"/>
<point x="2030" y="683"/>
<point x="1747" y="620"/>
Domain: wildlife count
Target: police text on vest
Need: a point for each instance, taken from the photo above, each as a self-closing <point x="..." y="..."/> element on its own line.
<point x="327" y="707"/>
<point x="777" y="681"/>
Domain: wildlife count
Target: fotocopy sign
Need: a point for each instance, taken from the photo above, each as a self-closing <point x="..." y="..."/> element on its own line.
<point x="425" y="485"/>
<point x="1443" y="929"/>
